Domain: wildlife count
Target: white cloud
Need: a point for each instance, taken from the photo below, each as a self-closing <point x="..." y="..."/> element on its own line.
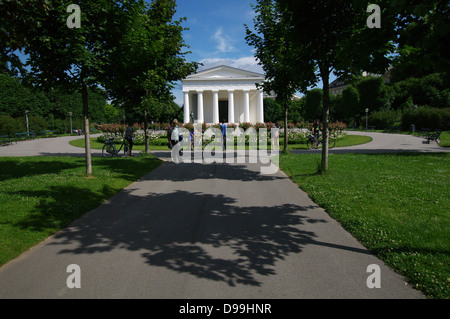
<point x="223" y="42"/>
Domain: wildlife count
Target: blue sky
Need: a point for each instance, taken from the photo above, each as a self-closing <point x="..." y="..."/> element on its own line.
<point x="216" y="31"/>
<point x="216" y="34"/>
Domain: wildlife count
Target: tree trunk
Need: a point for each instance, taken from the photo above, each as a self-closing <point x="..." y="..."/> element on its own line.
<point x="147" y="139"/>
<point x="87" y="136"/>
<point x="285" y="127"/>
<point x="325" y="74"/>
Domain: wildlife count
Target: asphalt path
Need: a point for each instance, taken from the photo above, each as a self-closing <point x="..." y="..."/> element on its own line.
<point x="387" y="143"/>
<point x="202" y="231"/>
<point x="53" y="146"/>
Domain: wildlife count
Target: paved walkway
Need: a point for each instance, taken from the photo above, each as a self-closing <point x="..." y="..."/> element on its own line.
<point x="387" y="143"/>
<point x="202" y="231"/>
<point x="58" y="146"/>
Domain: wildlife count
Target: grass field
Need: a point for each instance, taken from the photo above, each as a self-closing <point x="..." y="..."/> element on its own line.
<point x="40" y="195"/>
<point x="397" y="205"/>
<point x="347" y="140"/>
<point x="445" y="139"/>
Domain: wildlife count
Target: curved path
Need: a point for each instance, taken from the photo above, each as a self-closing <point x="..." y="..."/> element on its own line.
<point x="387" y="143"/>
<point x="381" y="143"/>
<point x="53" y="146"/>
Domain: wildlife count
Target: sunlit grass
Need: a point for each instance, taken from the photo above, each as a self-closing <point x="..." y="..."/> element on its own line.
<point x="396" y="205"/>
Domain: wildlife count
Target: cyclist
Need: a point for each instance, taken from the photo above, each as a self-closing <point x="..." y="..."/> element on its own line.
<point x="315" y="132"/>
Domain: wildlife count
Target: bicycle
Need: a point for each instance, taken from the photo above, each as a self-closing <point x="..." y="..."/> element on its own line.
<point x="110" y="150"/>
<point x="433" y="137"/>
<point x="312" y="138"/>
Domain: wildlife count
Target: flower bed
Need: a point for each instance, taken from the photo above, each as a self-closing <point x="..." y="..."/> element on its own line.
<point x="296" y="131"/>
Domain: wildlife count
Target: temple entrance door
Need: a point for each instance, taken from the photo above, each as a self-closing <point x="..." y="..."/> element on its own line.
<point x="223" y="111"/>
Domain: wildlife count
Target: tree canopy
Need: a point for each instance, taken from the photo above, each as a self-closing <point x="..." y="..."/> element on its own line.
<point x="131" y="48"/>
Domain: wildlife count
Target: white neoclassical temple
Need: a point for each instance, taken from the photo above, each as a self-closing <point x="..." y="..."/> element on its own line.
<point x="223" y="93"/>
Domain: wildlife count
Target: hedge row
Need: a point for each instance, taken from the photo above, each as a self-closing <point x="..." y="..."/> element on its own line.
<point x="10" y="126"/>
<point x="426" y="117"/>
<point x="421" y="117"/>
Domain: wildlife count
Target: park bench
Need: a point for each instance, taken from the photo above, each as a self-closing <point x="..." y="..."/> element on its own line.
<point x="47" y="133"/>
<point x="5" y="140"/>
<point x="371" y="128"/>
<point x="422" y="132"/>
<point x="432" y="136"/>
<point x="25" y="135"/>
<point x="393" y="128"/>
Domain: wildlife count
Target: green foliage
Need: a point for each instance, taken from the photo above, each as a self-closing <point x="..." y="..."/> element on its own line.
<point x="150" y="59"/>
<point x="274" y="111"/>
<point x="428" y="90"/>
<point x="384" y="119"/>
<point x="9" y="125"/>
<point x="47" y="110"/>
<point x="313" y="105"/>
<point x="15" y="98"/>
<point x="372" y="94"/>
<point x="349" y="106"/>
<point x="427" y="117"/>
<point x="422" y="27"/>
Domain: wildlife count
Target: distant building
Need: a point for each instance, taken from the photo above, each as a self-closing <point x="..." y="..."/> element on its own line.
<point x="223" y="92"/>
<point x="340" y="84"/>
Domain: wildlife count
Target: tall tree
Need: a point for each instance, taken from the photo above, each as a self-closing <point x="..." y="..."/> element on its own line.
<point x="150" y="61"/>
<point x="313" y="104"/>
<point x="333" y="36"/>
<point x="69" y="49"/>
<point x="276" y="54"/>
<point x="423" y="29"/>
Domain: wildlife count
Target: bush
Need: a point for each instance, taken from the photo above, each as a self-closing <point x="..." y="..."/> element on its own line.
<point x="429" y="90"/>
<point x="384" y="119"/>
<point x="427" y="117"/>
<point x="10" y="126"/>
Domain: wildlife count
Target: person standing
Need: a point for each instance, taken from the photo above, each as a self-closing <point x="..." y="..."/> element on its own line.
<point x="172" y="134"/>
<point x="129" y="138"/>
<point x="223" y="128"/>
<point x="276" y="138"/>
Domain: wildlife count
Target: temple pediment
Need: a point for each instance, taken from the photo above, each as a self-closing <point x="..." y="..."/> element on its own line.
<point x="225" y="73"/>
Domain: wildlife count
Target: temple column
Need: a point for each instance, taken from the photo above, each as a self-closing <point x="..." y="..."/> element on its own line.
<point x="246" y="106"/>
<point x="200" y="115"/>
<point x="186" y="107"/>
<point x="260" y="115"/>
<point x="231" y="106"/>
<point x="216" y="107"/>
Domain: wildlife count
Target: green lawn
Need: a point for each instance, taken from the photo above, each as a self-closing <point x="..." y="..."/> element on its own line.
<point x="347" y="140"/>
<point x="40" y="195"/>
<point x="95" y="144"/>
<point x="445" y="139"/>
<point x="397" y="205"/>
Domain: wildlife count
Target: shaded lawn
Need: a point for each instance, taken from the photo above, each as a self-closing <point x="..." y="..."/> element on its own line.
<point x="397" y="205"/>
<point x="40" y="195"/>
